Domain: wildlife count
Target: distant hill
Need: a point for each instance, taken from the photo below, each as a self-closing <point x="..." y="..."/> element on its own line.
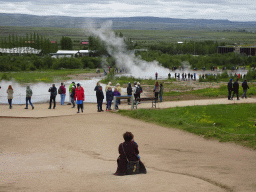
<point x="143" y="23"/>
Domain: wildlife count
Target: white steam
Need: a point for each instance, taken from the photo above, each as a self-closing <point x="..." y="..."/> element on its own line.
<point x="116" y="47"/>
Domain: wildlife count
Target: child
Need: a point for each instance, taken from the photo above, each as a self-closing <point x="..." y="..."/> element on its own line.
<point x="100" y="97"/>
<point x="109" y="97"/>
<point x="116" y="93"/>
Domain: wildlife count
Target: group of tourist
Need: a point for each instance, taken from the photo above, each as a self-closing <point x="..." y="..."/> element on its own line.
<point x="76" y="93"/>
<point x="109" y="96"/>
<point x="235" y="88"/>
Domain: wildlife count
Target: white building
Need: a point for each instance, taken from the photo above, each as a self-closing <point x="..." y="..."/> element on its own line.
<point x="20" y="50"/>
<point x="69" y="53"/>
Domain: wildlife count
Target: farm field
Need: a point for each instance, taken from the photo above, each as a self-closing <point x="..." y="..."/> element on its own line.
<point x="144" y="37"/>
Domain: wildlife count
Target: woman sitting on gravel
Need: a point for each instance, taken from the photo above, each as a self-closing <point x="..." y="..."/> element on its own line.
<point x="128" y="150"/>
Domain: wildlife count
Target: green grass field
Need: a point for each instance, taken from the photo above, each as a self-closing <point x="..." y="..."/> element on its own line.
<point x="227" y="123"/>
<point x="43" y="76"/>
<point x="143" y="37"/>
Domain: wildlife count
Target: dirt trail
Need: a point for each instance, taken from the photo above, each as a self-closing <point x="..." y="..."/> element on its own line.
<point x="79" y="152"/>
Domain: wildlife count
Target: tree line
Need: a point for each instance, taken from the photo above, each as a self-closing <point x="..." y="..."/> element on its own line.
<point x="34" y="40"/>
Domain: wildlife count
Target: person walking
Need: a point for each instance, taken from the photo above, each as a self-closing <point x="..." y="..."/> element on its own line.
<point x="72" y="96"/>
<point x="161" y="92"/>
<point x="156" y="74"/>
<point x="129" y="92"/>
<point x="53" y="93"/>
<point x="116" y="93"/>
<point x="156" y="90"/>
<point x="29" y="94"/>
<point x="236" y="89"/>
<point x="100" y="97"/>
<point x="245" y="87"/>
<point x="109" y="98"/>
<point x="10" y="96"/>
<point x="230" y="87"/>
<point x="62" y="93"/>
<point x="79" y="97"/>
<point x="70" y="91"/>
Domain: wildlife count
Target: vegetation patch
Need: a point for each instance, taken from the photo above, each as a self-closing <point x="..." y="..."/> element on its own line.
<point x="235" y="123"/>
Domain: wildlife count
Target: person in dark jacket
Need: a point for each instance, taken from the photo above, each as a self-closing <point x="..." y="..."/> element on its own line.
<point x="29" y="94"/>
<point x="230" y="85"/>
<point x="100" y="97"/>
<point x="53" y="93"/>
<point x="245" y="87"/>
<point x="128" y="150"/>
<point x="129" y="92"/>
<point x="235" y="89"/>
<point x="109" y="98"/>
<point x="72" y="96"/>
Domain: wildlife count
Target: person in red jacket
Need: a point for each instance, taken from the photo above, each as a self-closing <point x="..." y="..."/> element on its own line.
<point x="79" y="97"/>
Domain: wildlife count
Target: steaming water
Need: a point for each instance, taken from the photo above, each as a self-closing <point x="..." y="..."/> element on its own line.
<point x="41" y="94"/>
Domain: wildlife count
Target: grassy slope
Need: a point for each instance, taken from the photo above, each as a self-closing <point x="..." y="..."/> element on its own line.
<point x="223" y="122"/>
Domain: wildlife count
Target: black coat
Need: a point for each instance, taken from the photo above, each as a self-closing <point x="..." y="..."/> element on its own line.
<point x="129" y="89"/>
<point x="99" y="95"/>
<point x="245" y="85"/>
<point x="230" y="85"/>
<point x="236" y="86"/>
<point x="72" y="95"/>
<point x="109" y="95"/>
<point x="53" y="91"/>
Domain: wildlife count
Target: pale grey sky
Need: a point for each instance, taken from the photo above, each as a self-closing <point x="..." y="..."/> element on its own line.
<point x="233" y="10"/>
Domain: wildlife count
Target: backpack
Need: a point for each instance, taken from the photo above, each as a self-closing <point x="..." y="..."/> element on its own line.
<point x="60" y="90"/>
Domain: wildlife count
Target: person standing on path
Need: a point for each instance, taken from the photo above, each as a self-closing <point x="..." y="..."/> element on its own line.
<point x="119" y="89"/>
<point x="53" y="93"/>
<point x="140" y="88"/>
<point x="109" y="98"/>
<point x="79" y="97"/>
<point x="72" y="96"/>
<point x="235" y="89"/>
<point x="245" y="87"/>
<point x="161" y="92"/>
<point x="10" y="96"/>
<point x="70" y="91"/>
<point x="116" y="93"/>
<point x="129" y="92"/>
<point x="230" y="85"/>
<point x="156" y="90"/>
<point x="100" y="97"/>
<point x="97" y="88"/>
<point x="29" y="94"/>
<point x="107" y="86"/>
<point x="63" y="94"/>
<point x="156" y="75"/>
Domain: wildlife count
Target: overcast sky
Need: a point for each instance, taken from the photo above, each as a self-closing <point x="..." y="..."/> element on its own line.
<point x="233" y="10"/>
